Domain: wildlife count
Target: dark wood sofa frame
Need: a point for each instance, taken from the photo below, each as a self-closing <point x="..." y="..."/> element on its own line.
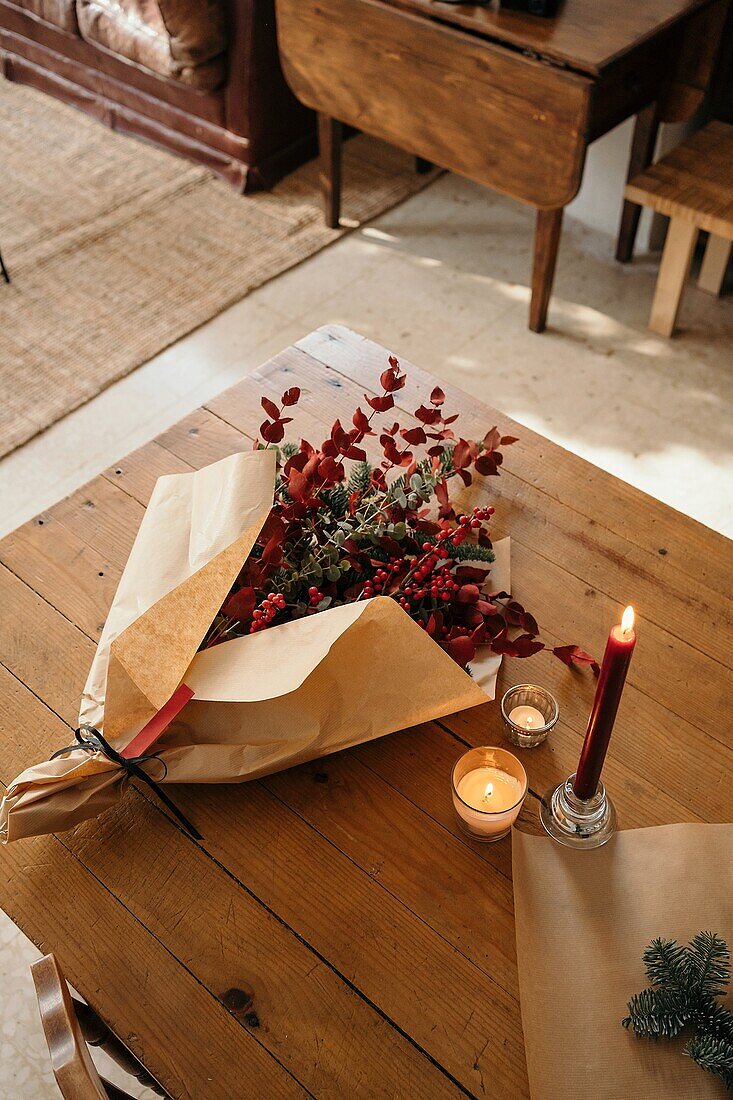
<point x="252" y="131"/>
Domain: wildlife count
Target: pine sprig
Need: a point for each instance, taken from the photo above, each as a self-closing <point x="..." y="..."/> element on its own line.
<point x="685" y="982"/>
<point x="664" y="961"/>
<point x="713" y="1055"/>
<point x="708" y="960"/>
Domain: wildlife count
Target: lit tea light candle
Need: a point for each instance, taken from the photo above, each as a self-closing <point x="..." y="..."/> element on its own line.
<point x="528" y="718"/>
<point x="489" y="787"/>
<point x="529" y="713"/>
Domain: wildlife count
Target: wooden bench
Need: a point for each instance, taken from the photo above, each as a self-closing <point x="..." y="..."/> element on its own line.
<point x="693" y="186"/>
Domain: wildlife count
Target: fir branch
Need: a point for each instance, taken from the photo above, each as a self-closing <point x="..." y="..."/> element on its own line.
<point x="471" y="551"/>
<point x="708" y="960"/>
<point x="685" y="983"/>
<point x="359" y="478"/>
<point x="659" y="1013"/>
<point x="664" y="961"/>
<point x="713" y="1055"/>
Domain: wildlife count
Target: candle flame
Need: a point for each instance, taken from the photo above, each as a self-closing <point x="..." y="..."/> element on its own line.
<point x="489" y="791"/>
<point x="627" y="620"/>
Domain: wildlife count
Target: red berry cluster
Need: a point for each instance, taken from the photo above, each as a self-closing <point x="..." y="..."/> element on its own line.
<point x="314" y="596"/>
<point x="374" y="586"/>
<point x="263" y="615"/>
<point x="466" y="524"/>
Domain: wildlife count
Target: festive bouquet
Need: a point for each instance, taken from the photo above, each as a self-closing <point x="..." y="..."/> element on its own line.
<point x="334" y="536"/>
<point x="276" y="605"/>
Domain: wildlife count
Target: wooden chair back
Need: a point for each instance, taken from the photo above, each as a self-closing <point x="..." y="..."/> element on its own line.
<point x="69" y="1025"/>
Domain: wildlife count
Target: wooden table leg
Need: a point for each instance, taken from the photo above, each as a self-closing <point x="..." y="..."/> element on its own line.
<point x="330" y="133"/>
<point x="714" y="264"/>
<point x="640" y="157"/>
<point x="546" y="243"/>
<point x="678" y="249"/>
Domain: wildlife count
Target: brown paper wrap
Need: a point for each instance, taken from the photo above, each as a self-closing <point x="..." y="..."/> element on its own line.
<point x="583" y="920"/>
<point x="262" y="702"/>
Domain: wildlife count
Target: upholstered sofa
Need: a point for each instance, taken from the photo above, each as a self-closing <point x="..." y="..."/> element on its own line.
<point x="201" y="77"/>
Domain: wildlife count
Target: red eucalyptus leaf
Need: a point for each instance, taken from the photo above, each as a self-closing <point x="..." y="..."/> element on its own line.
<point x="471" y="574"/>
<point x="391" y="452"/>
<point x="414" y="435"/>
<point x="468" y="593"/>
<point x="486" y="608"/>
<point x="461" y="649"/>
<point x="331" y="470"/>
<point x="427" y="416"/>
<point x="270" y="408"/>
<point x="465" y="477"/>
<point x="492" y="439"/>
<point x="272" y="431"/>
<point x="291" y="396"/>
<point x="361" y="423"/>
<point x="507" y="439"/>
<point x="390" y="378"/>
<point x="529" y="623"/>
<point x="299" y="486"/>
<point x="523" y="646"/>
<point x="240" y="604"/>
<point x="461" y="454"/>
<point x="488" y="463"/>
<point x="437" y="397"/>
<point x="573" y="655"/>
<point x="273" y="554"/>
<point x="380" y="404"/>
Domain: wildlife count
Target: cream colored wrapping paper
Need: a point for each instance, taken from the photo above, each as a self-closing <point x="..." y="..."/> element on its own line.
<point x="262" y="702"/>
<point x="583" y="920"/>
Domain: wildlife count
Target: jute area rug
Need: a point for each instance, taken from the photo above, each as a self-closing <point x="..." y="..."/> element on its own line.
<point x="116" y="249"/>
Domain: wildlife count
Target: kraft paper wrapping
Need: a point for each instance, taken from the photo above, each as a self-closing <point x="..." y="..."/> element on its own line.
<point x="261" y="703"/>
<point x="583" y="920"/>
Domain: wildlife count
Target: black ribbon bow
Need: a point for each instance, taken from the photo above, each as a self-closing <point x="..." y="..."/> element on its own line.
<point x="89" y="739"/>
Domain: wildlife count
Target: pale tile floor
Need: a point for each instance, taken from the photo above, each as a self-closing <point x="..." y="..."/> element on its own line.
<point x="441" y="280"/>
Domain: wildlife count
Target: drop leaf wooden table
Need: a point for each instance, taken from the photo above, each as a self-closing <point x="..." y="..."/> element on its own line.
<point x="508" y="99"/>
<point x="335" y="934"/>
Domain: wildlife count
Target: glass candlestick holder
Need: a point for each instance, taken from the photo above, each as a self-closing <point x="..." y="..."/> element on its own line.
<point x="529" y="713"/>
<point x="578" y="822"/>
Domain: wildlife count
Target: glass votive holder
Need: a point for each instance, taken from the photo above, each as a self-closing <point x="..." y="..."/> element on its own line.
<point x="489" y="786"/>
<point x="529" y="713"/>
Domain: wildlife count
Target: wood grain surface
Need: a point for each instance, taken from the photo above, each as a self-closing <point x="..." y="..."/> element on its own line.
<point x="500" y="118"/>
<point x="335" y="934"/>
<point x="585" y="35"/>
<point x="693" y="183"/>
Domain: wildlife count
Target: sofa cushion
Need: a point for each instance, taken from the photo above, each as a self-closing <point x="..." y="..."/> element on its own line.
<point x="181" y="39"/>
<point x="61" y="13"/>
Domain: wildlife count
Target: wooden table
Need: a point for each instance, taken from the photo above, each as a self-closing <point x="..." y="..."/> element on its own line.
<point x="507" y="99"/>
<point x="335" y="934"/>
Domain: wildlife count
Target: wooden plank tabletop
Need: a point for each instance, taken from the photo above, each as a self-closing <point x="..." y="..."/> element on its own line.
<point x="335" y="934"/>
<point x="584" y="35"/>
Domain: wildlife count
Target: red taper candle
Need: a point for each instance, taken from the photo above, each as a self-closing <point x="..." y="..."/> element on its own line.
<point x="616" y="661"/>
